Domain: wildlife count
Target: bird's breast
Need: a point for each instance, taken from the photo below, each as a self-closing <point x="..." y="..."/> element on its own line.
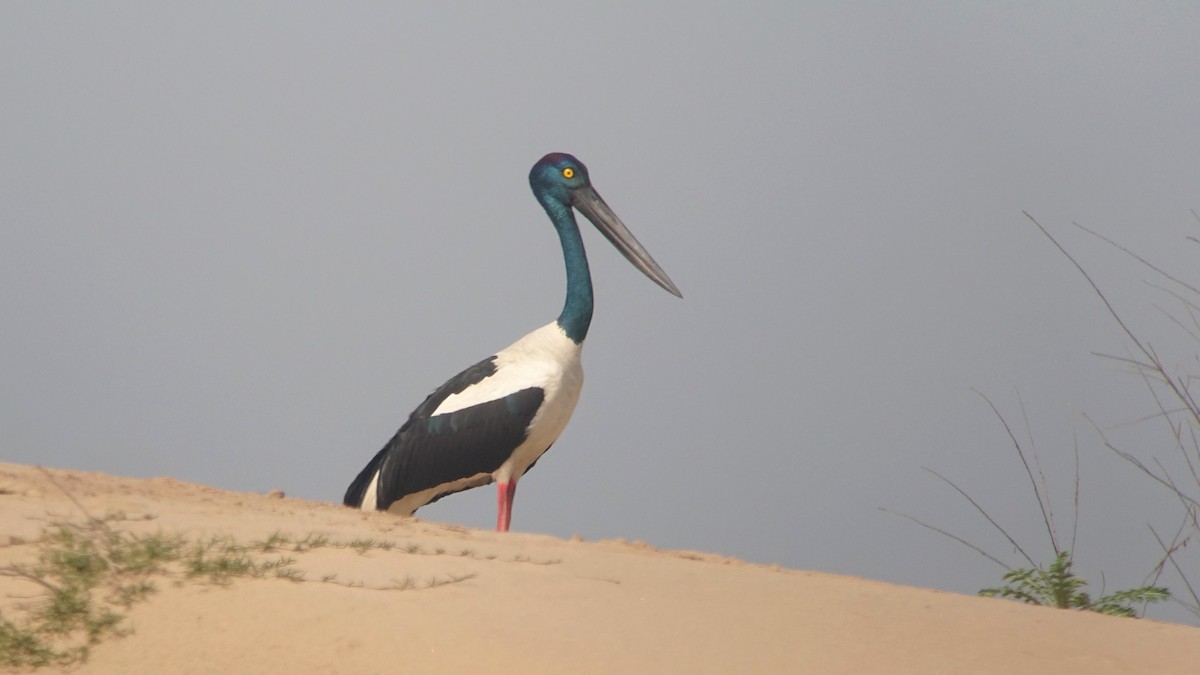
<point x="546" y="359"/>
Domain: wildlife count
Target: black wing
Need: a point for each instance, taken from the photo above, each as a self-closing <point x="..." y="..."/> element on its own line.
<point x="431" y="451"/>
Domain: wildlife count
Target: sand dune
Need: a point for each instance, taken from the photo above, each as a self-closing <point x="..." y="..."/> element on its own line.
<point x="445" y="599"/>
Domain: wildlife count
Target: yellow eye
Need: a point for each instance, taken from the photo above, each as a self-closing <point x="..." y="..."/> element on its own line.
<point x="568" y="172"/>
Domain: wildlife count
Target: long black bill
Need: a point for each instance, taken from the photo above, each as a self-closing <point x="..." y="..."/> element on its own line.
<point x="591" y="205"/>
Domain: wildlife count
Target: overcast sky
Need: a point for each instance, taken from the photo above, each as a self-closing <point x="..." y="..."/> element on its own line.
<point x="238" y="244"/>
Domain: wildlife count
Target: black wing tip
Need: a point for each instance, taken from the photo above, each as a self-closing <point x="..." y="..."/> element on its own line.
<point x="358" y="488"/>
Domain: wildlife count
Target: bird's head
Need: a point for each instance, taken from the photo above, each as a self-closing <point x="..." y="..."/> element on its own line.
<point x="560" y="182"/>
<point x="558" y="176"/>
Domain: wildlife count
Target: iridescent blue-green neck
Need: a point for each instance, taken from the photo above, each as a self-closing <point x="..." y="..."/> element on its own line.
<point x="576" y="315"/>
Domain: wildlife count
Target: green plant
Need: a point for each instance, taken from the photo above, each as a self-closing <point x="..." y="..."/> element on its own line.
<point x="1170" y="389"/>
<point x="85" y="570"/>
<point x="91" y="572"/>
<point x="1057" y="586"/>
<point x="1054" y="585"/>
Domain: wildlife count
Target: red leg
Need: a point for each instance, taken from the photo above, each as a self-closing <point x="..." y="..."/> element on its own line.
<point x="504" y="499"/>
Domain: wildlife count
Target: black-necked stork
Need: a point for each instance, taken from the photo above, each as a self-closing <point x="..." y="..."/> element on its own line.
<point x="492" y="421"/>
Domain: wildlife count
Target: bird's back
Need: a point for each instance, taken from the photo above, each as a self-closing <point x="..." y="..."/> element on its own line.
<point x="490" y="422"/>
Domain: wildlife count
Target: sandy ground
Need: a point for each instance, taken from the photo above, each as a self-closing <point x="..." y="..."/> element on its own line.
<point x="520" y="603"/>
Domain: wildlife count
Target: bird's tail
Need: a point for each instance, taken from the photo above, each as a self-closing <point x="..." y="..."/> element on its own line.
<point x="358" y="489"/>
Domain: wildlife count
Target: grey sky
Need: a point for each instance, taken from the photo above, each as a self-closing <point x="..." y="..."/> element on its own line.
<point x="238" y="246"/>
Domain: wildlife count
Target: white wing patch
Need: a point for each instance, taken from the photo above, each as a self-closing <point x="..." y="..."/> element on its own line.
<point x="546" y="359"/>
<point x="541" y="359"/>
